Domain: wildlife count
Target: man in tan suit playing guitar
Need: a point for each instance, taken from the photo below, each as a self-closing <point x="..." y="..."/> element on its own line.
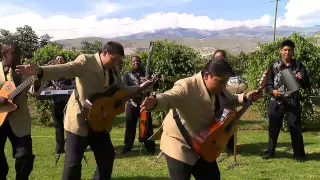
<point x="94" y="73"/>
<point x="196" y="100"/>
<point x="17" y="124"/>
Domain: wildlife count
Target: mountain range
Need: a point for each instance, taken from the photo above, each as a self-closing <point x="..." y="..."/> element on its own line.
<point x="234" y="40"/>
<point x="260" y="32"/>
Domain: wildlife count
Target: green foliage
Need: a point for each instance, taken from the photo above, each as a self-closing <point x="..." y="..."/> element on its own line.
<point x="90" y="48"/>
<point x="170" y="60"/>
<point x="306" y="51"/>
<point x="42" y="56"/>
<point x="238" y="63"/>
<point x="25" y="37"/>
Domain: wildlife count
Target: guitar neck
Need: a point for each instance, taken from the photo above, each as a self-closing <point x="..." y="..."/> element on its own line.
<point x="140" y="90"/>
<point x="149" y="59"/>
<point x="21" y="87"/>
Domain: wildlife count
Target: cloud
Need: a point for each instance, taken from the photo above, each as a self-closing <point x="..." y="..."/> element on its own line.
<point x="301" y="13"/>
<point x="8" y="9"/>
<point x="104" y="7"/>
<point x="64" y="27"/>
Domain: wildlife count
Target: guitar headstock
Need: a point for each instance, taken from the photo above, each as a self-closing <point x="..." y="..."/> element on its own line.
<point x="263" y="79"/>
<point x="155" y="78"/>
<point x="152" y="43"/>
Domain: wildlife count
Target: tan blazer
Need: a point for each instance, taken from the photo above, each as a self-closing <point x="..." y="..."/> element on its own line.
<point x="90" y="79"/>
<point x="196" y="109"/>
<point x="19" y="120"/>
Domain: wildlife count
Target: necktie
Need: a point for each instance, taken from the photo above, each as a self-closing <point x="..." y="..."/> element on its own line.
<point x="213" y="101"/>
<point x="10" y="75"/>
<point x="106" y="83"/>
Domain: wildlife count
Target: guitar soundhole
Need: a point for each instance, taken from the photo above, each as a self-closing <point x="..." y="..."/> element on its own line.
<point x="117" y="104"/>
<point x="215" y="143"/>
<point x="103" y="115"/>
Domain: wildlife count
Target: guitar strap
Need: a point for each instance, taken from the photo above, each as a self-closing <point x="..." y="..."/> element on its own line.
<point x="188" y="138"/>
<point x="76" y="93"/>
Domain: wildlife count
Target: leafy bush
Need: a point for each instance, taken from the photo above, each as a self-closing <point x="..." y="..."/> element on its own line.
<point x="41" y="57"/>
<point x="170" y="60"/>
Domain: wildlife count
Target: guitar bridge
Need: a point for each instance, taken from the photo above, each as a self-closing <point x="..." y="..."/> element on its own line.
<point x="103" y="113"/>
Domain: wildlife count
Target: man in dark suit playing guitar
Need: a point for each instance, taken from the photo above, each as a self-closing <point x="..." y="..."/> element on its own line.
<point x="17" y="124"/>
<point x="136" y="77"/>
<point x="94" y="73"/>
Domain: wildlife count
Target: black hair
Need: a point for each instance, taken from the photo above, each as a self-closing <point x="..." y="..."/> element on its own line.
<point x="113" y="48"/>
<point x="224" y="54"/>
<point x="218" y="68"/>
<point x="136" y="56"/>
<point x="6" y="47"/>
<point x="287" y="43"/>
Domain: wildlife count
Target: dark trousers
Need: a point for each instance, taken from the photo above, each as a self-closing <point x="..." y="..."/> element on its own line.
<point x="230" y="144"/>
<point x="21" y="151"/>
<point x="202" y="170"/>
<point x="101" y="145"/>
<point x="276" y="114"/>
<point x="58" y="115"/>
<point x="132" y="115"/>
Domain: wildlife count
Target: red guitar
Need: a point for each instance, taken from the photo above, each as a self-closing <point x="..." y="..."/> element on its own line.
<point x="210" y="142"/>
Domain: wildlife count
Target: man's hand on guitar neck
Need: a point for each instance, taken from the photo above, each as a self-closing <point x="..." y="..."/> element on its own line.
<point x="253" y="95"/>
<point x="149" y="103"/>
<point x="3" y="100"/>
<point x="146" y="83"/>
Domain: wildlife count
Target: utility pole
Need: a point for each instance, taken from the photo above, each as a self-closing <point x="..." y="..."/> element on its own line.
<point x="275" y="22"/>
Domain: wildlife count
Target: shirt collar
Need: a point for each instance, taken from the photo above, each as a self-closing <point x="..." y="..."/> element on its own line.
<point x="291" y="64"/>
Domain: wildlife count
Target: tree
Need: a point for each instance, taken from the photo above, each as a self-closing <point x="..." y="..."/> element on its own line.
<point x="6" y="37"/>
<point x="28" y="40"/>
<point x="170" y="60"/>
<point x="26" y="37"/>
<point x="90" y="48"/>
<point x="306" y="51"/>
<point x="44" y="40"/>
<point x="41" y="57"/>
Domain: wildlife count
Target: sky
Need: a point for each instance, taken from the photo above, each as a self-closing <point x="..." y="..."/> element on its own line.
<point x="68" y="19"/>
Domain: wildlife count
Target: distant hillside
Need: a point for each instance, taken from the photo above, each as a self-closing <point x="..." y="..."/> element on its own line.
<point x="260" y="32"/>
<point x="205" y="45"/>
<point x="234" y="40"/>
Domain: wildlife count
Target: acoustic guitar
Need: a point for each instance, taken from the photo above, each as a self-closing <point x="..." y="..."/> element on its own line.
<point x="10" y="91"/>
<point x="210" y="142"/>
<point x="100" y="109"/>
<point x="143" y="123"/>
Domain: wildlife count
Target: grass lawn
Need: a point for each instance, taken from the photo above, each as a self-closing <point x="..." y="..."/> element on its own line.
<point x="251" y="145"/>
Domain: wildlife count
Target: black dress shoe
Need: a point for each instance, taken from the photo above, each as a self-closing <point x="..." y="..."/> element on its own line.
<point x="268" y="156"/>
<point x="300" y="159"/>
<point x="230" y="152"/>
<point x="151" y="151"/>
<point x="125" y="150"/>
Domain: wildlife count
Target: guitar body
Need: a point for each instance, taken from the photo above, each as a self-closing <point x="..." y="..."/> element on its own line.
<point x="210" y="142"/>
<point x="104" y="109"/>
<point x="101" y="108"/>
<point x="5" y="109"/>
<point x="143" y="125"/>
